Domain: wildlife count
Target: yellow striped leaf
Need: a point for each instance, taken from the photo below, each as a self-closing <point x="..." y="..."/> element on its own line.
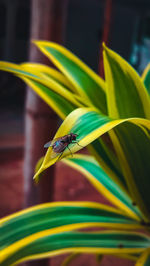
<point x="88" y="84"/>
<point x="126" y="93"/>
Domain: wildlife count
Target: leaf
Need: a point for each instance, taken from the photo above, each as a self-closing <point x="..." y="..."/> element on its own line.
<point x="78" y="122"/>
<point x="17" y="70"/>
<point x="146" y="78"/>
<point x="30" y="72"/>
<point x="55" y="95"/>
<point x="89" y="167"/>
<point x="107" y="159"/>
<point x="49" y="73"/>
<point x="144" y="259"/>
<point x="51" y="215"/>
<point x="59" y="104"/>
<point x="126" y="94"/>
<point x="45" y="82"/>
<point x="132" y="145"/>
<point x="106" y="242"/>
<point x="88" y="84"/>
<point x="22" y="228"/>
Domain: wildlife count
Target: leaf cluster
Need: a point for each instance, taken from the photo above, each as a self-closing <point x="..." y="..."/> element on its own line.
<point x="118" y="166"/>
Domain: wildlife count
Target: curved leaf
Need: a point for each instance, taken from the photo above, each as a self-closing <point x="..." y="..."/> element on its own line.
<point x="88" y="166"/>
<point x="22" y="228"/>
<point x="107" y="159"/>
<point x="126" y="94"/>
<point x="106" y="242"/>
<point x="30" y="71"/>
<point x="88" y="84"/>
<point x="59" y="104"/>
<point x="54" y="94"/>
<point x="78" y="122"/>
<point x="17" y="70"/>
<point x="132" y="144"/>
<point x="48" y="72"/>
<point x="43" y="80"/>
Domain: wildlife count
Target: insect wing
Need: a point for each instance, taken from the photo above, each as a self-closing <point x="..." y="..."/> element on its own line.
<point x="52" y="142"/>
<point x="48" y="144"/>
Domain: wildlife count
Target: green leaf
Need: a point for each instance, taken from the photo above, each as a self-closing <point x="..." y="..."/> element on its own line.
<point x="105" y="155"/>
<point x="146" y="78"/>
<point x="106" y="242"/>
<point x="88" y="84"/>
<point x="49" y="73"/>
<point x="89" y="167"/>
<point x="59" y="104"/>
<point x="17" y="70"/>
<point x="22" y="228"/>
<point x="126" y="94"/>
<point x="54" y="94"/>
<point x="54" y="88"/>
<point x="132" y="145"/>
<point x="30" y="72"/>
<point x="78" y="122"/>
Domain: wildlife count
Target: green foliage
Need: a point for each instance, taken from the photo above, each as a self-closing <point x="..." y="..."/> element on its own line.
<point x="118" y="107"/>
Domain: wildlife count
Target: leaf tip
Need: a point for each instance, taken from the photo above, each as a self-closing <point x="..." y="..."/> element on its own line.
<point x="105" y="48"/>
<point x="34" y="41"/>
<point x="104" y="45"/>
<point x="38" y="174"/>
<point x="36" y="179"/>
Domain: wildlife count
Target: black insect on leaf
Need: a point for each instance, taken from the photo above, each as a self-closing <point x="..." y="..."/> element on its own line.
<point x="60" y="144"/>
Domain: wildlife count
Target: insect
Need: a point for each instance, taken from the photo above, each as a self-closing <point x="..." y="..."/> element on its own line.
<point x="60" y="144"/>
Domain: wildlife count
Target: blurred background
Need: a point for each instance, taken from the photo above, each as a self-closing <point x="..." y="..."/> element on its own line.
<point x="26" y="123"/>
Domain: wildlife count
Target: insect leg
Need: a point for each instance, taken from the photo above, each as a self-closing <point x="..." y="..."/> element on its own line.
<point x="70" y="151"/>
<point x="77" y="143"/>
<point x="60" y="156"/>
